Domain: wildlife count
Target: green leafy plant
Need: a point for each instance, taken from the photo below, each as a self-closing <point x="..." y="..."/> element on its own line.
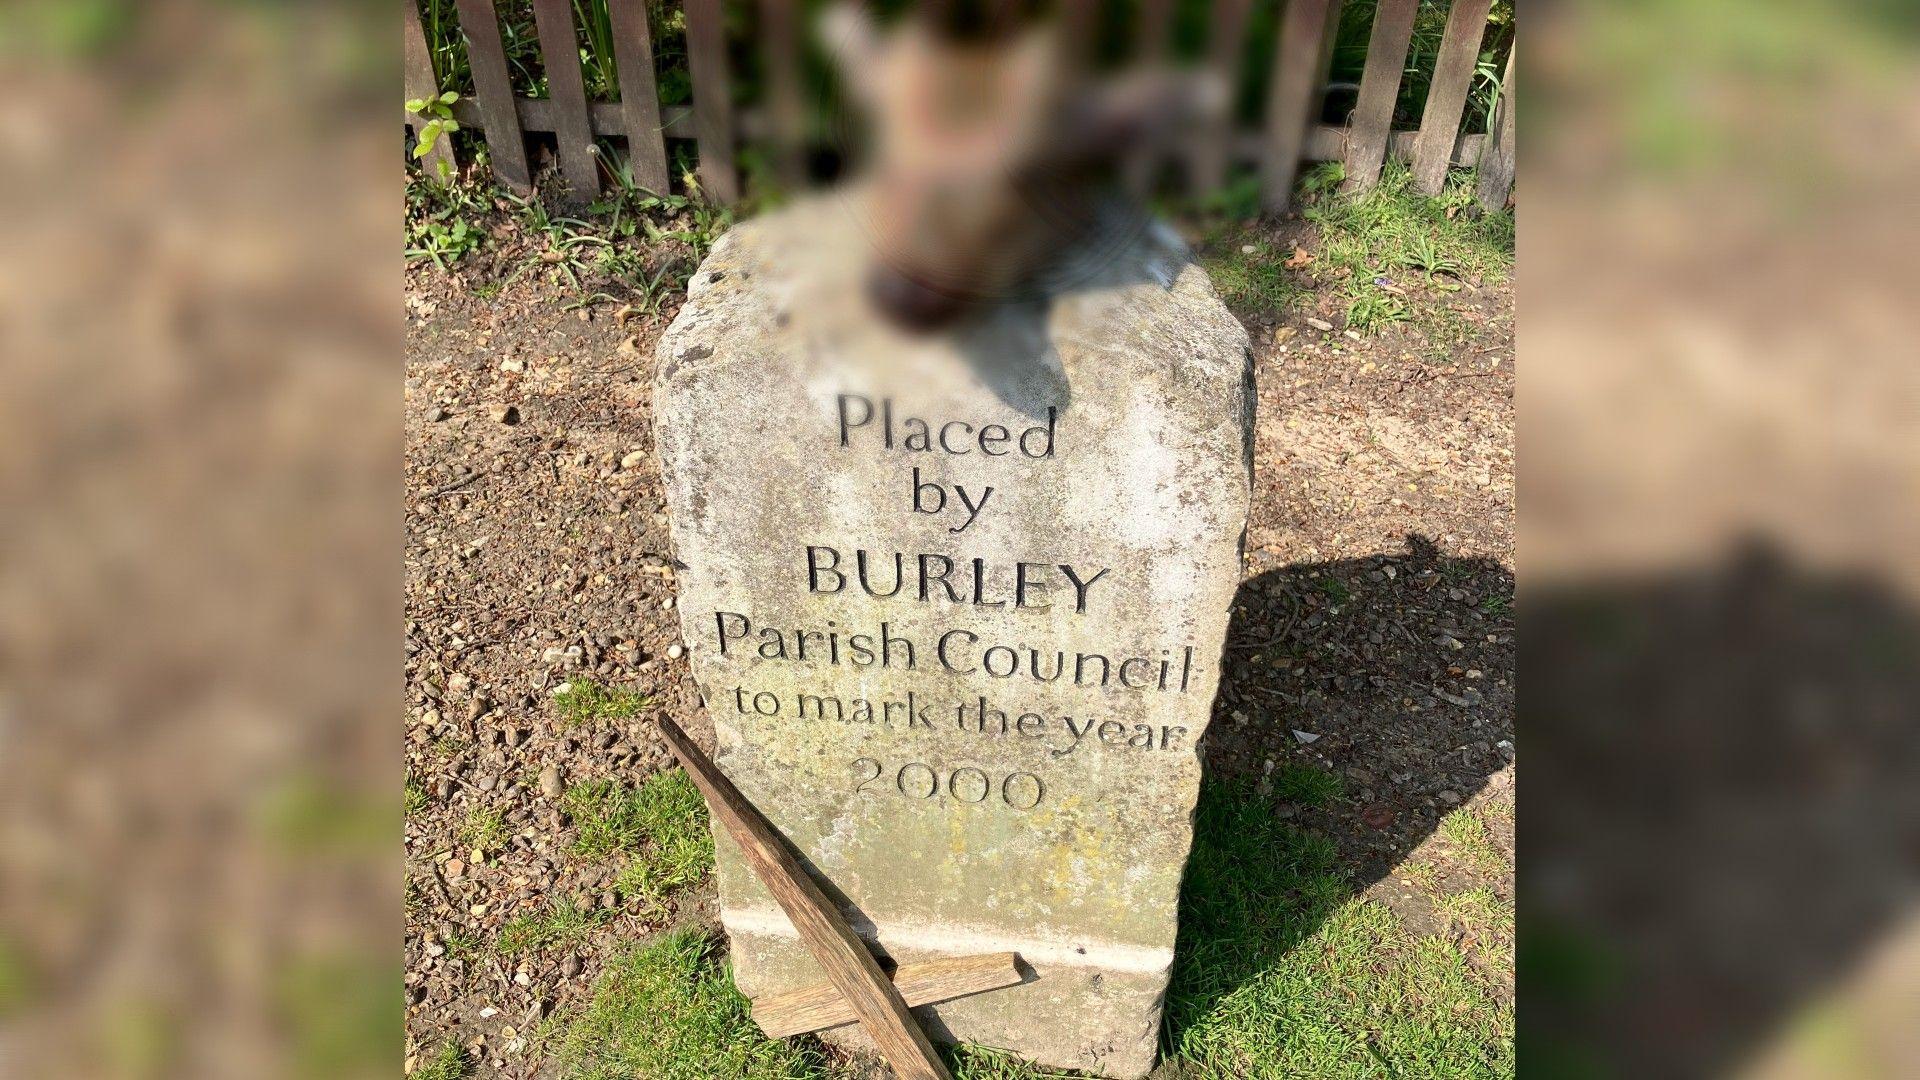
<point x="438" y="114"/>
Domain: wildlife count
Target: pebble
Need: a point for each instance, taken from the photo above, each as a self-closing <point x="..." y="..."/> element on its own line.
<point x="505" y="414"/>
<point x="1451" y="798"/>
<point x="570" y="967"/>
<point x="438" y="414"/>
<point x="674" y="652"/>
<point x="550" y="784"/>
<point x="486" y="781"/>
<point x="1305" y="736"/>
<point x="454" y="868"/>
<point x="513" y="364"/>
<point x="1319" y="324"/>
<point x="634" y="459"/>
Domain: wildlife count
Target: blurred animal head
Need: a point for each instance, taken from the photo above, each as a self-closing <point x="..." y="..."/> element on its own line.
<point x="987" y="154"/>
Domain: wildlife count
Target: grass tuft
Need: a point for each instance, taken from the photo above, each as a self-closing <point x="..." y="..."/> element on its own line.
<point x="662" y="824"/>
<point x="585" y="702"/>
<point x="669" y="1011"/>
<point x="1468" y="834"/>
<point x="565" y="924"/>
<point x="485" y="828"/>
<point x="450" y="1063"/>
<point x="1308" y="785"/>
<point x="1376" y="245"/>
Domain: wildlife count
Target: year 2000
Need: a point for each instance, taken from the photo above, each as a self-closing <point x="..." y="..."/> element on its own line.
<point x="918" y="780"/>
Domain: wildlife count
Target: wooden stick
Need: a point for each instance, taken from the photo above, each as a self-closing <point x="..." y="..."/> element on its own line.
<point x="850" y="967"/>
<point x="820" y="1006"/>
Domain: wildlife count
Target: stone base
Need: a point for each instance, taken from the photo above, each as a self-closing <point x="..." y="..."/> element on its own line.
<point x="1088" y="1007"/>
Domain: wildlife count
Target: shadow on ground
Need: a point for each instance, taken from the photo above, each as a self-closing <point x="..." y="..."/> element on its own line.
<point x="1363" y="700"/>
<point x="1729" y="822"/>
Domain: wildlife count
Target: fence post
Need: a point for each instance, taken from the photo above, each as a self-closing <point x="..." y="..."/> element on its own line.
<point x="712" y="98"/>
<point x="780" y="48"/>
<point x="421" y="82"/>
<point x="1292" y="95"/>
<point x="560" y="49"/>
<point x="1497" y="159"/>
<point x="1447" y="94"/>
<point x="494" y="89"/>
<point x="1226" y="46"/>
<point x="1379" y="89"/>
<point x="639" y="99"/>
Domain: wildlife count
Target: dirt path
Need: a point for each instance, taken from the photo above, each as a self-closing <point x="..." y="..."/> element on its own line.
<point x="1372" y="641"/>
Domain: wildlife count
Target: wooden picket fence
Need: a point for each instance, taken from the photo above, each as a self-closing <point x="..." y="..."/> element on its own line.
<point x="1287" y="134"/>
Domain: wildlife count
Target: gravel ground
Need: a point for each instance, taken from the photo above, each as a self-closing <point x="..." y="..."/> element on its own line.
<point x="1372" y="639"/>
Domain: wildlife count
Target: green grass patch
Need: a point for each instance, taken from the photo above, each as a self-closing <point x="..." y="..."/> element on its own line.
<point x="669" y="1011"/>
<point x="1496" y="606"/>
<point x="564" y="924"/>
<point x="585" y="702"/>
<point x="665" y="813"/>
<point x="1253" y="280"/>
<point x="485" y="828"/>
<point x="416" y="798"/>
<point x="1376" y="246"/>
<point x="1335" y="590"/>
<point x="450" y="1062"/>
<point x="1468" y="834"/>
<point x="1281" y="973"/>
<point x="1308" y="785"/>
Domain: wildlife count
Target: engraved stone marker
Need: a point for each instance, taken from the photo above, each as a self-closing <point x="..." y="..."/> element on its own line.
<point x="956" y="605"/>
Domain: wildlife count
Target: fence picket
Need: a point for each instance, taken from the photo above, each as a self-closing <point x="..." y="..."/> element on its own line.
<point x="1226" y="46"/>
<point x="1496" y="160"/>
<point x="1293" y="95"/>
<point x="1150" y="47"/>
<point x="493" y="89"/>
<point x="780" y="48"/>
<point x="712" y="98"/>
<point x="560" y="49"/>
<point x="639" y="99"/>
<point x="1379" y="88"/>
<point x="1447" y="94"/>
<point x="422" y="83"/>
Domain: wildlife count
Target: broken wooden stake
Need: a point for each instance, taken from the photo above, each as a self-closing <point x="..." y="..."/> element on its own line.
<point x="817" y="1007"/>
<point x="850" y="967"/>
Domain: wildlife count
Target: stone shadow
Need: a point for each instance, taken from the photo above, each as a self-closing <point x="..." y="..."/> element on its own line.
<point x="1727" y="762"/>
<point x="1362" y="700"/>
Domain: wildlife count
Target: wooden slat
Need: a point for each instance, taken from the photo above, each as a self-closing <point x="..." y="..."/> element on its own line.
<point x="818" y="1007"/>
<point x="1497" y="161"/>
<point x="573" y="131"/>
<point x="639" y="98"/>
<point x="780" y="51"/>
<point x="712" y="98"/>
<point x="493" y="88"/>
<point x="1447" y="95"/>
<point x="421" y="83"/>
<point x="1226" y="46"/>
<point x="1324" y="142"/>
<point x="1152" y="42"/>
<point x="850" y="967"/>
<point x="1293" y="96"/>
<point x="1079" y="29"/>
<point x="1379" y="87"/>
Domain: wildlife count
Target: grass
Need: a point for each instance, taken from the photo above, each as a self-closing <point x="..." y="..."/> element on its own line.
<point x="1469" y="835"/>
<point x="449" y="1063"/>
<point x="1280" y="971"/>
<point x="565" y="924"/>
<point x="485" y="828"/>
<point x="662" y="824"/>
<point x="1256" y="280"/>
<point x="1376" y="245"/>
<point x="583" y="703"/>
<point x="669" y="1011"/>
<point x="1308" y="785"/>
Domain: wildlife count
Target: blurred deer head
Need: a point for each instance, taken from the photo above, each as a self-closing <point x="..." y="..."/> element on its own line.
<point x="988" y="155"/>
